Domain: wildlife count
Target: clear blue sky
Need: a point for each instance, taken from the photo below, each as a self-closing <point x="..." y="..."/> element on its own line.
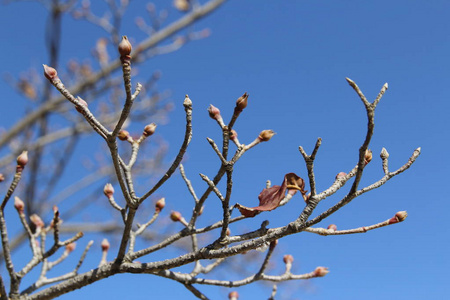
<point x="292" y="57"/>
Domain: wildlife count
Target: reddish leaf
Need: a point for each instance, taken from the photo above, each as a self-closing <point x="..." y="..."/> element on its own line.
<point x="270" y="198"/>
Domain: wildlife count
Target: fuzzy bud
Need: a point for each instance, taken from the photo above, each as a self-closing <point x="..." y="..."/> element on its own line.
<point x="384" y="154"/>
<point x="332" y="227"/>
<point x="124" y="46"/>
<point x="123" y="135"/>
<point x="22" y="159"/>
<point x="149" y="129"/>
<point x="241" y="102"/>
<point x="399" y="217"/>
<point x="321" y="271"/>
<point x="70" y="247"/>
<point x="105" y="245"/>
<point x="368" y="156"/>
<point x="19" y="205"/>
<point x="50" y="73"/>
<point x="233" y="295"/>
<point x="214" y="112"/>
<point x="159" y="205"/>
<point x="175" y="216"/>
<point x="108" y="190"/>
<point x="288" y="259"/>
<point x="266" y="135"/>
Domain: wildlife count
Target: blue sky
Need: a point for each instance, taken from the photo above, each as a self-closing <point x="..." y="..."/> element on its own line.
<point x="292" y="57"/>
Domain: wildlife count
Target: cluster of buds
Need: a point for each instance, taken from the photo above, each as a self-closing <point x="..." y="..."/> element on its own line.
<point x="266" y="135"/>
<point x="22" y="161"/>
<point x="159" y="205"/>
<point x="241" y="103"/>
<point x="320" y="272"/>
<point x="399" y="217"/>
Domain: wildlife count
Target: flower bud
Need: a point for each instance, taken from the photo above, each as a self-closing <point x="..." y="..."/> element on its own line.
<point x="399" y="217"/>
<point x="2" y="177"/>
<point x="214" y="112"/>
<point x="108" y="190"/>
<point x="332" y="227"/>
<point x="241" y="102"/>
<point x="368" y="156"/>
<point x="187" y="102"/>
<point x="273" y="244"/>
<point x="105" y="245"/>
<point x="266" y="135"/>
<point x="321" y="271"/>
<point x="159" y="205"/>
<point x="288" y="259"/>
<point x="233" y="135"/>
<point x="384" y="154"/>
<point x="70" y="247"/>
<point x="181" y="5"/>
<point x="37" y="221"/>
<point x="19" y="205"/>
<point x="175" y="216"/>
<point x="123" y="135"/>
<point x="149" y="129"/>
<point x="50" y="73"/>
<point x="22" y="159"/>
<point x="233" y="295"/>
<point x="201" y="210"/>
<point x="124" y="46"/>
<point x="228" y="232"/>
<point x="341" y="174"/>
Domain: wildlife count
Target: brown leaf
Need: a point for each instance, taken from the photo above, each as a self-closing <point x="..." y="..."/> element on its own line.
<point x="270" y="198"/>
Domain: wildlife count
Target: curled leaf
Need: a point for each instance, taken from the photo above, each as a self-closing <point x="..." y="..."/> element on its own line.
<point x="270" y="198"/>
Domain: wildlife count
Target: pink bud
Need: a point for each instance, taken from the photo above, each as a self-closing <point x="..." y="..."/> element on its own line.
<point x="367" y="156"/>
<point x="321" y="271"/>
<point x="82" y="104"/>
<point x="214" y="113"/>
<point x="233" y="295"/>
<point x="50" y="73"/>
<point x="160" y="204"/>
<point x="288" y="259"/>
<point x="233" y="135"/>
<point x="399" y="217"/>
<point x="241" y="102"/>
<point x="341" y="174"/>
<point x="37" y="221"/>
<point x="105" y="245"/>
<point x="22" y="159"/>
<point x="124" y="46"/>
<point x="70" y="247"/>
<point x="332" y="227"/>
<point x="175" y="216"/>
<point x="19" y="205"/>
<point x="149" y="129"/>
<point x="108" y="190"/>
<point x="266" y="135"/>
